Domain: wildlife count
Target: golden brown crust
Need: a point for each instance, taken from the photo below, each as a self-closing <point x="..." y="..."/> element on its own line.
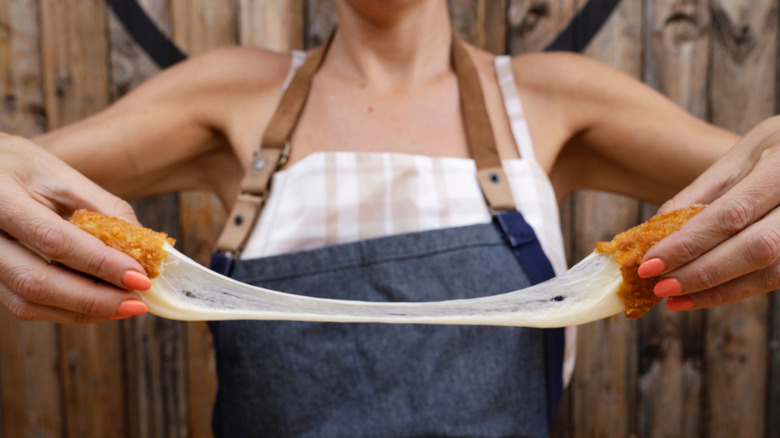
<point x="630" y="246"/>
<point x="142" y="244"/>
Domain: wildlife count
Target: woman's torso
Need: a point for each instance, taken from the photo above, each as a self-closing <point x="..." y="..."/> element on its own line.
<point x="354" y="119"/>
<point x="383" y="179"/>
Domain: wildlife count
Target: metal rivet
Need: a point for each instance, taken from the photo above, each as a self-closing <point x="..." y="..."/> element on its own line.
<point x="259" y="164"/>
<point x="238" y="220"/>
<point x="494" y="178"/>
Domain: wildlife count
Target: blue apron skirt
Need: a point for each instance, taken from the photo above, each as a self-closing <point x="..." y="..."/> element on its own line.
<point x="304" y="379"/>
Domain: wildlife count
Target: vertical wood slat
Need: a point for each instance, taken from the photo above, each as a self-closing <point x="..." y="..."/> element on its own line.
<point x="677" y="47"/>
<point x="275" y="24"/>
<point x="741" y="94"/>
<point x="320" y="17"/>
<point x="73" y="41"/>
<point x="154" y="348"/>
<point x="532" y="26"/>
<point x="605" y="374"/>
<point x="201" y="214"/>
<point x="480" y="22"/>
<point x="30" y="392"/>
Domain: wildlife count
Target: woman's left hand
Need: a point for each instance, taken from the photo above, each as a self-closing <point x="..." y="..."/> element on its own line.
<point x="731" y="250"/>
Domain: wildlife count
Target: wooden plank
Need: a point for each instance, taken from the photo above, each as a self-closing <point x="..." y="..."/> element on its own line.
<point x="202" y="25"/>
<point x="534" y="25"/>
<point x="73" y="35"/>
<point x="272" y="24"/>
<point x="154" y="348"/>
<point x="73" y="40"/>
<point x="30" y="393"/>
<point x="130" y="65"/>
<point x="201" y="214"/>
<point x="672" y="364"/>
<point x="480" y="22"/>
<point x="201" y="379"/>
<point x="607" y="358"/>
<point x="29" y="379"/>
<point x="603" y="389"/>
<point x="743" y="91"/>
<point x="320" y="18"/>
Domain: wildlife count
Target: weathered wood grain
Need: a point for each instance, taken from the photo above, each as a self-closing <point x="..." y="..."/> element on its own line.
<point x="321" y="18"/>
<point x="154" y="348"/>
<point x="271" y="24"/>
<point x="198" y="27"/>
<point x="677" y="49"/>
<point x="607" y="350"/>
<point x="75" y="61"/>
<point x="480" y="22"/>
<point x="29" y="352"/>
<point x="742" y="93"/>
<point x="533" y="25"/>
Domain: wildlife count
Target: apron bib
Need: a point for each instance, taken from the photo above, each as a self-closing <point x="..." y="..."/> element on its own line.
<point x="303" y="379"/>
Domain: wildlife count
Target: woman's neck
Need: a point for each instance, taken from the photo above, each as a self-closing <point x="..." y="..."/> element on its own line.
<point x="389" y="47"/>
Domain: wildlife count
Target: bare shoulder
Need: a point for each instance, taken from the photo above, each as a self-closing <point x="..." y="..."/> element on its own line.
<point x="573" y="74"/>
<point x="581" y="92"/>
<point x="237" y="69"/>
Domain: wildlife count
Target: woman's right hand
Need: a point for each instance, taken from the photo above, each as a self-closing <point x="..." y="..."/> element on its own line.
<point x="84" y="281"/>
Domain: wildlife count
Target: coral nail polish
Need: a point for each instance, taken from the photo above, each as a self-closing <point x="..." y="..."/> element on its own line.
<point x="136" y="281"/>
<point x="679" y="303"/>
<point x="651" y="268"/>
<point x="131" y="308"/>
<point x="667" y="287"/>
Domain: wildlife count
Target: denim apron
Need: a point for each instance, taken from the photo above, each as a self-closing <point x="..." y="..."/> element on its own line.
<point x="311" y="379"/>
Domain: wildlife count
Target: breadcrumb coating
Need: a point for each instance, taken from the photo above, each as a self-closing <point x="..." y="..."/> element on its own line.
<point x="630" y="246"/>
<point x="142" y="244"/>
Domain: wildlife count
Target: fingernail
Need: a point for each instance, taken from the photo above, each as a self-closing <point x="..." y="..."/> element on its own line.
<point x="667" y="287"/>
<point x="136" y="281"/>
<point x="651" y="268"/>
<point x="679" y="303"/>
<point x="131" y="308"/>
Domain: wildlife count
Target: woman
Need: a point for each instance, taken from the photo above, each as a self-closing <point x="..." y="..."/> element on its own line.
<point x="384" y="117"/>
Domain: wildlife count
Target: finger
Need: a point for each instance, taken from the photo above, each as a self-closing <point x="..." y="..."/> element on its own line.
<point x="749" y="200"/>
<point x="49" y="235"/>
<point x="36" y="282"/>
<point x="26" y="311"/>
<point x="74" y="191"/>
<point x="63" y="189"/>
<point x="729" y="170"/>
<point x="709" y="186"/>
<point x="755" y="283"/>
<point x="753" y="249"/>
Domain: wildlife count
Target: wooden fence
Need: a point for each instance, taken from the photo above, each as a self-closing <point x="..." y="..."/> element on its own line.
<point x="708" y="373"/>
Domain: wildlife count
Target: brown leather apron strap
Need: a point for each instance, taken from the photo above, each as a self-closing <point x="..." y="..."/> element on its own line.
<point x="275" y="146"/>
<point x="479" y="132"/>
<point x="270" y="156"/>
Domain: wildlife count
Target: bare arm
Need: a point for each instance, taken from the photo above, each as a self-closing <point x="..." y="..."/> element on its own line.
<point x="618" y="134"/>
<point x="177" y="130"/>
<point x="628" y="139"/>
